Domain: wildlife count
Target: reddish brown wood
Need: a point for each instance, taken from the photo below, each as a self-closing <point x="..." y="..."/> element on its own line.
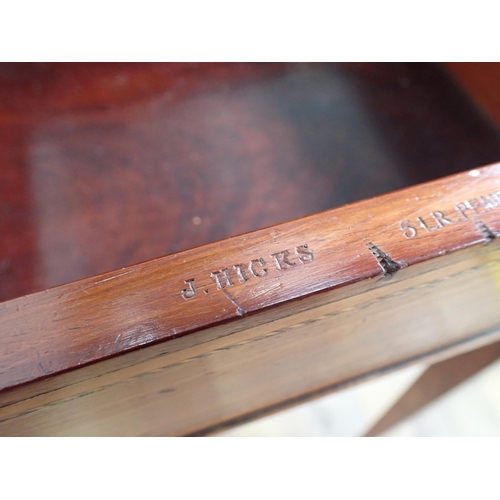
<point x="104" y="166"/>
<point x="295" y="333"/>
<point x="83" y="322"/>
<point x="481" y="81"/>
<point x="437" y="380"/>
<point x="107" y="165"/>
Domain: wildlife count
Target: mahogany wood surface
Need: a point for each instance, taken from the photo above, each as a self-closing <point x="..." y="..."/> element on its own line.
<point x="108" y="165"/>
<point x="104" y="166"/>
<point x="439" y="290"/>
<point x="79" y="323"/>
<point x="480" y="81"/>
<point x="206" y="387"/>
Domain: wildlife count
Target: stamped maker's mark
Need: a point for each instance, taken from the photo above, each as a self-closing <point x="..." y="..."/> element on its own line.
<point x="461" y="212"/>
<point x="228" y="277"/>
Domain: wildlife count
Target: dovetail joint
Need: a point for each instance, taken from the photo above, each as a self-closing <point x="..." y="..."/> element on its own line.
<point x="389" y="266"/>
<point x="487" y="233"/>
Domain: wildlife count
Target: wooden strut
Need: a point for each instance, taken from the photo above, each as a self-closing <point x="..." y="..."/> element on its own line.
<point x="200" y="340"/>
<point x="436" y="381"/>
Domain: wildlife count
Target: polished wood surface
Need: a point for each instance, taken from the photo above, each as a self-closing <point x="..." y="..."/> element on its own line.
<point x="436" y="255"/>
<point x="204" y="388"/>
<point x="104" y="166"/>
<point x="108" y="165"/>
<point x="480" y="81"/>
<point x="83" y="322"/>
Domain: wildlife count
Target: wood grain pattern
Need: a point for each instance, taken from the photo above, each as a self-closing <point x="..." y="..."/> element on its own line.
<point x="225" y="377"/>
<point x="104" y="166"/>
<point x="443" y="293"/>
<point x="480" y="81"/>
<point x="83" y="322"/>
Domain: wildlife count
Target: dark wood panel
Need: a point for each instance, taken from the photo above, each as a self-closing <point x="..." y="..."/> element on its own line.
<point x="106" y="165"/>
<point x="359" y="289"/>
<point x="481" y="81"/>
<point x="75" y="324"/>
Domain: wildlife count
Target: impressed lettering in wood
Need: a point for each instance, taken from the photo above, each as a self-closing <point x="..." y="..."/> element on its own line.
<point x="373" y="285"/>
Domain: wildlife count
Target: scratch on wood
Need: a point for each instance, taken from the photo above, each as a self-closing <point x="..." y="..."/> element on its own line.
<point x="165" y="391"/>
<point x="240" y="311"/>
<point x="389" y="266"/>
<point x="112" y="278"/>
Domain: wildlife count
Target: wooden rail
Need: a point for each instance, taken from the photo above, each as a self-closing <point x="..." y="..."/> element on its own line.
<point x="202" y="339"/>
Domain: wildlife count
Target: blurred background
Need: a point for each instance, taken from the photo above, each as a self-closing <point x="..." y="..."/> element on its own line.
<point x="107" y="165"/>
<point x="470" y="409"/>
